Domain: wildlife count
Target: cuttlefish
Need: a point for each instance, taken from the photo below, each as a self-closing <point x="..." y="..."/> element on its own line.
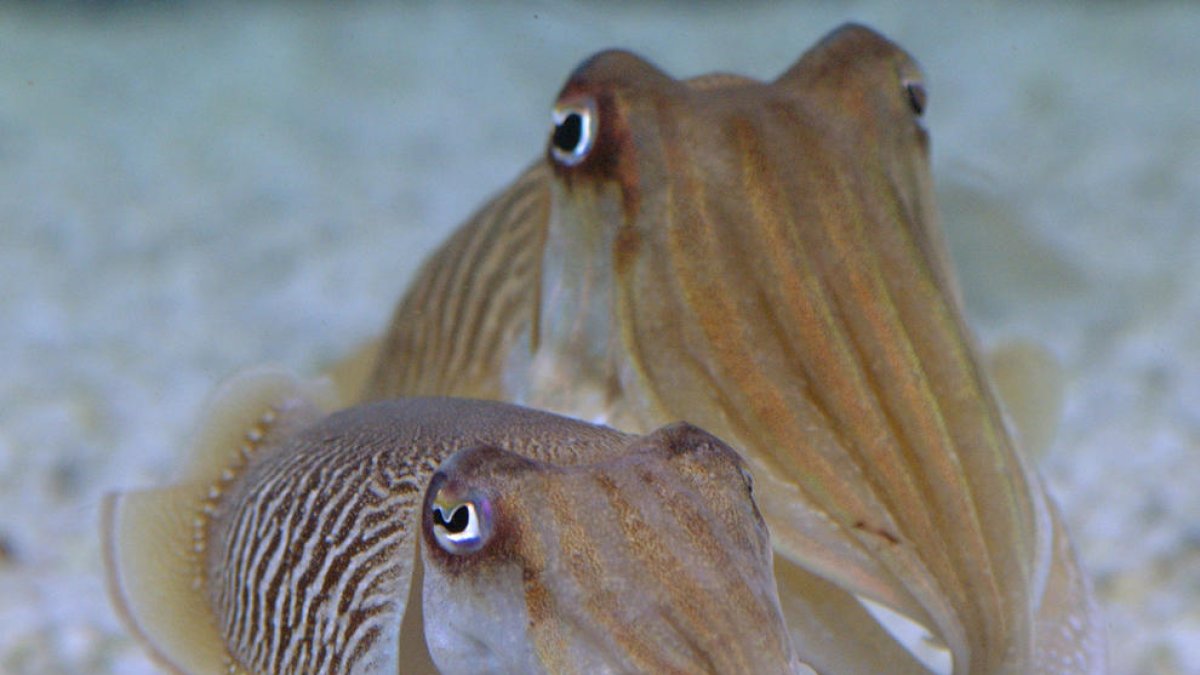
<point x="506" y="539"/>
<point x="764" y="260"/>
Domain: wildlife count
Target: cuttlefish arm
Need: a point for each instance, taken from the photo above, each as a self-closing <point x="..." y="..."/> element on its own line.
<point x="290" y="544"/>
<point x="764" y="260"/>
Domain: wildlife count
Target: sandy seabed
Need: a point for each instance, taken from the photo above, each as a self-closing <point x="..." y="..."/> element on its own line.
<point x="189" y="189"/>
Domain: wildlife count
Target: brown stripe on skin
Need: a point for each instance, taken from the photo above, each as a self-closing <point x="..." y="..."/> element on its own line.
<point x="735" y="358"/>
<point x="637" y="649"/>
<point x="583" y="559"/>
<point x="831" y="356"/>
<point x="461" y="275"/>
<point x="687" y="542"/>
<point x="451" y="328"/>
<point x="878" y="433"/>
<point x="862" y="294"/>
<point x="488" y="287"/>
<point x="651" y="561"/>
<point x="725" y="318"/>
<point x="509" y="298"/>
<point x="654" y="562"/>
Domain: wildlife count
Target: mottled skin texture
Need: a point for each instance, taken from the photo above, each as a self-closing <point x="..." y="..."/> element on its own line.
<point x="764" y="260"/>
<point x="291" y="546"/>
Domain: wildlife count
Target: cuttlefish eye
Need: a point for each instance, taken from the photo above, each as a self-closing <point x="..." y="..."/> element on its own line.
<point x="917" y="97"/>
<point x="574" y="131"/>
<point x="461" y="526"/>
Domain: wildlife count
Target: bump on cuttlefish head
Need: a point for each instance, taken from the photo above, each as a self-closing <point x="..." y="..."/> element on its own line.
<point x="653" y="561"/>
<point x="288" y="543"/>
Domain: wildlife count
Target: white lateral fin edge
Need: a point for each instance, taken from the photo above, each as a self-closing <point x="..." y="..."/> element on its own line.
<point x="153" y="540"/>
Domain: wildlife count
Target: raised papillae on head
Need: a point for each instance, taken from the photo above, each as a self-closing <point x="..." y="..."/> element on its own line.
<point x="763" y="259"/>
<point x="289" y="544"/>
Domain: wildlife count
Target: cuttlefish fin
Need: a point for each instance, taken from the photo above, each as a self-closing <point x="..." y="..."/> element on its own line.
<point x="154" y="540"/>
<point x="1069" y="635"/>
<point x="1030" y="384"/>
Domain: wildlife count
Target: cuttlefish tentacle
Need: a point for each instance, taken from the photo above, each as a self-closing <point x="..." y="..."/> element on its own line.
<point x="291" y="545"/>
<point x="764" y="259"/>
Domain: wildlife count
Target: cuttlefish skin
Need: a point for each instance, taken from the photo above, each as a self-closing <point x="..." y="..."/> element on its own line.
<point x="653" y="561"/>
<point x="764" y="260"/>
<point x="288" y="546"/>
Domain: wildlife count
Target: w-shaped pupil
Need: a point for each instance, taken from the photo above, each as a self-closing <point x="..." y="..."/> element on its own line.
<point x="459" y="519"/>
<point x="569" y="132"/>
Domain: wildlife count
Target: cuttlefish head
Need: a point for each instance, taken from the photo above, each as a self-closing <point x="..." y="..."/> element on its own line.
<point x="654" y="561"/>
<point x="670" y="190"/>
<point x="651" y="148"/>
<point x="764" y="259"/>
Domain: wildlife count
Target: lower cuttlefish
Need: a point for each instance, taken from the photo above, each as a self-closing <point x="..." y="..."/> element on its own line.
<point x="546" y="544"/>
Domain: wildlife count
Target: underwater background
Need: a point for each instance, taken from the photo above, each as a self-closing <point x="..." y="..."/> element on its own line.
<point x="190" y="188"/>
